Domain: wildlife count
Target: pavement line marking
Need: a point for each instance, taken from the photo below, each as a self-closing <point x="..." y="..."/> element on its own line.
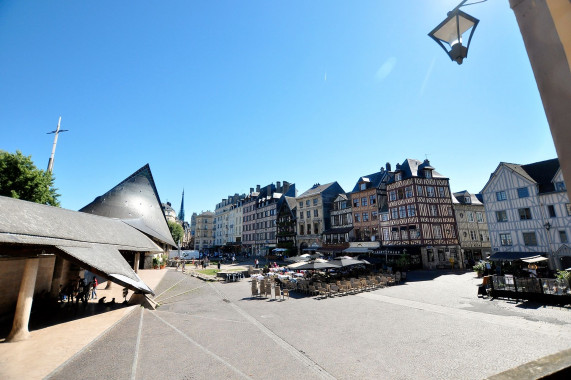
<point x="185" y="278"/>
<point x="180" y="294"/>
<point x="560" y="331"/>
<point x="206" y="350"/>
<point x="88" y="345"/>
<point x="200" y="316"/>
<point x="316" y="368"/>
<point x="137" y="346"/>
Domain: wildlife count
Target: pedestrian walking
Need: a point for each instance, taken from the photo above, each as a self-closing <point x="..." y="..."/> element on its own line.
<point x="184" y="266"/>
<point x="233" y="259"/>
<point x="94" y="288"/>
<point x="256" y="263"/>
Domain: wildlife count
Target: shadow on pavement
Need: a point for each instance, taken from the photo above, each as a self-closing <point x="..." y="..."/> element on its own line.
<point x="425" y="275"/>
<point x="46" y="313"/>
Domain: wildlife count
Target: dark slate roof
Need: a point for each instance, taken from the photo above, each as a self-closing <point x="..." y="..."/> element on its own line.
<point x="374" y="180"/>
<point x="135" y="198"/>
<point x="410" y="168"/>
<point x="92" y="240"/>
<point x="543" y="172"/>
<point x="459" y="197"/>
<point x="317" y="189"/>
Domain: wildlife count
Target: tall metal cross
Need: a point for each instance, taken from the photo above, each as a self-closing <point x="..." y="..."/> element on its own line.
<point x="57" y="132"/>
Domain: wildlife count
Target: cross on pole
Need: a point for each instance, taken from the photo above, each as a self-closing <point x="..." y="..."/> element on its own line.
<point x="56" y="132"/>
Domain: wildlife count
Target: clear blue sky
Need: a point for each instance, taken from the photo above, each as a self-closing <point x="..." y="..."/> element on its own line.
<point x="219" y="96"/>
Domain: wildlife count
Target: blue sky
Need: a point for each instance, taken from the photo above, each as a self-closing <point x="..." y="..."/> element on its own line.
<point x="219" y="96"/>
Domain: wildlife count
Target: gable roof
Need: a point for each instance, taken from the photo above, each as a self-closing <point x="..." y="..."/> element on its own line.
<point x="410" y="168"/>
<point x="317" y="189"/>
<point x="540" y="173"/>
<point x="372" y="180"/>
<point x="136" y="201"/>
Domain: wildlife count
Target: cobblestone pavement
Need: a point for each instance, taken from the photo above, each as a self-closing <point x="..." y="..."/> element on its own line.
<point x="433" y="326"/>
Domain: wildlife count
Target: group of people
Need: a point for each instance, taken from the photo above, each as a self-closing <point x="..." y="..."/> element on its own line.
<point x="79" y="289"/>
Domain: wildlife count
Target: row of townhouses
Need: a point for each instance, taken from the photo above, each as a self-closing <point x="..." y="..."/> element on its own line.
<point x="410" y="209"/>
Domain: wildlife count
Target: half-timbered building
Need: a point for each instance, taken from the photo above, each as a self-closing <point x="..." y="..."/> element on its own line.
<point x="287" y="225"/>
<point x="336" y="239"/>
<point x="419" y="217"/>
<point x="528" y="212"/>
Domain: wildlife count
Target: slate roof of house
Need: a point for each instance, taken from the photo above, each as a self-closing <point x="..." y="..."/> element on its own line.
<point x="136" y="197"/>
<point x="94" y="241"/>
<point x="540" y="173"/>
<point x="410" y="168"/>
<point x="459" y="197"/>
<point x="372" y="180"/>
<point x="291" y="202"/>
<point x="316" y="189"/>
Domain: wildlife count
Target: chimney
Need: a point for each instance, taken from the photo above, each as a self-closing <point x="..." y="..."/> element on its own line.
<point x="286" y="187"/>
<point x="269" y="190"/>
<point x="257" y="188"/>
<point x="251" y="190"/>
<point x="278" y="186"/>
<point x="388" y="166"/>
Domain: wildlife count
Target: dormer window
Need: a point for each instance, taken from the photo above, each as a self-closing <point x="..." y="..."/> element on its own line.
<point x="363" y="186"/>
<point x="467" y="200"/>
<point x="560" y="186"/>
<point x="398" y="176"/>
<point x="427" y="173"/>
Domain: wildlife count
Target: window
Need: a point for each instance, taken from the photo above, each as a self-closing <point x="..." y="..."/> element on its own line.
<point x="430" y="254"/>
<point x="357" y="217"/>
<point x="441" y="192"/>
<point x="392" y="195"/>
<point x="433" y="210"/>
<point x="315" y="202"/>
<point x="315" y="213"/>
<point x="402" y="211"/>
<point x="385" y="216"/>
<point x="356" y="202"/>
<point x="411" y="210"/>
<point x="300" y="204"/>
<point x="473" y="235"/>
<point x="563" y="236"/>
<point x="308" y="213"/>
<point x="414" y="233"/>
<point x="529" y="239"/>
<point x="363" y="201"/>
<point x="316" y="228"/>
<point x="301" y="229"/>
<point x="568" y="206"/>
<point x="479" y="217"/>
<point x="429" y="191"/>
<point x="419" y="191"/>
<point x="301" y="214"/>
<point x="501" y="196"/>
<point x="502" y="216"/>
<point x="524" y="213"/>
<point x="365" y="217"/>
<point x="408" y="191"/>
<point x="560" y="186"/>
<point x="386" y="235"/>
<point x="374" y="215"/>
<point x="400" y="194"/>
<point x="307" y="203"/>
<point x="551" y="211"/>
<point x="522" y="192"/>
<point x="394" y="213"/>
<point x="363" y="186"/>
<point x="372" y="200"/>
<point x="470" y="215"/>
<point x="404" y="233"/>
<point x="398" y="176"/>
<point x="427" y="173"/>
<point x="437" y="231"/>
<point x="506" y="239"/>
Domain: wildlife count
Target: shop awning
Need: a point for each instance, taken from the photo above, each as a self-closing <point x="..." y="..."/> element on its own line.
<point x="534" y="259"/>
<point x="357" y="250"/>
<point x="512" y="256"/>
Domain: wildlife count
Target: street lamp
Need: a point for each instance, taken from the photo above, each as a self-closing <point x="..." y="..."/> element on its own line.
<point x="451" y="30"/>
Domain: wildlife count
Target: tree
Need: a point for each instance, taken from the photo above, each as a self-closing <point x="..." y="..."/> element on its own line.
<point x="21" y="179"/>
<point x="176" y="231"/>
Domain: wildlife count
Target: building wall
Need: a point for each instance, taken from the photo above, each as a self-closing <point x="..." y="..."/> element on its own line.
<point x="473" y="230"/>
<point x="365" y="209"/>
<point x="310" y="213"/>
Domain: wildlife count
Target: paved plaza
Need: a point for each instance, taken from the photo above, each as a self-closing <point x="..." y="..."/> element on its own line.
<point x="432" y="326"/>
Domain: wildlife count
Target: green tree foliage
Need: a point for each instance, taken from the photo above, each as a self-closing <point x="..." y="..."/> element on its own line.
<point x="176" y="231"/>
<point x="19" y="178"/>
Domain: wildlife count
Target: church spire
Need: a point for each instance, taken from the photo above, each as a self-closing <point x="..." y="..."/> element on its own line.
<point x="181" y="212"/>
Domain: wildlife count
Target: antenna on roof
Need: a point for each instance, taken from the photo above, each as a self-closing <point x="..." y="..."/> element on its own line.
<point x="426" y="155"/>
